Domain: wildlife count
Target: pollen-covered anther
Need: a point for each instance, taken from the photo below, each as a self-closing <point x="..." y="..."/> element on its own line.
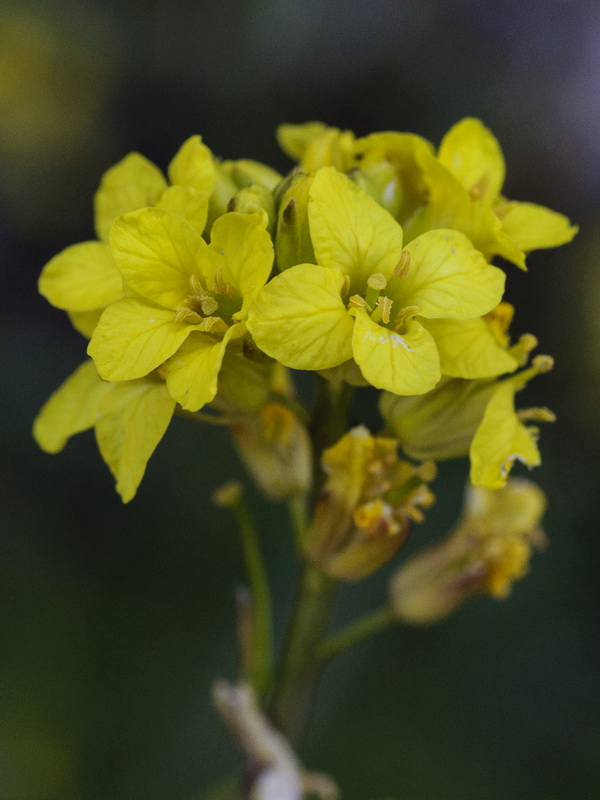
<point x="384" y="305"/>
<point x="356" y="301"/>
<point x="209" y="306"/>
<point x="543" y="363"/>
<point x="478" y="189"/>
<point x="403" y="315"/>
<point x="198" y="291"/>
<point x="214" y="325"/>
<point x="536" y="415"/>
<point x="220" y="285"/>
<point x="376" y="518"/>
<point x="185" y="314"/>
<point x="528" y="342"/>
<point x="403" y="266"/>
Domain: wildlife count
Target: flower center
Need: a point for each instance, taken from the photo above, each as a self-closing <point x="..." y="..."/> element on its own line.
<point x="200" y="307"/>
<point x="377" y="305"/>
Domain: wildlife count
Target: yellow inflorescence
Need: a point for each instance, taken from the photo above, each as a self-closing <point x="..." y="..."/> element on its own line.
<point x="370" y="263"/>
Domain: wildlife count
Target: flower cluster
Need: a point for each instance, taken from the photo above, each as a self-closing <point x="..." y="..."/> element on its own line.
<point x="369" y="263"/>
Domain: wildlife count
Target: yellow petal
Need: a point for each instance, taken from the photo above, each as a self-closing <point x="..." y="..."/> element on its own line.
<point x="469" y="349"/>
<point x="449" y="205"/>
<point x="192" y="373"/>
<point x="532" y="227"/>
<point x="186" y="202"/>
<point x="299" y="318"/>
<point x="501" y="439"/>
<point x="294" y="139"/>
<point x="193" y="166"/>
<point x="402" y="150"/>
<point x="71" y="409"/>
<point x="133" y="183"/>
<point x="85" y="321"/>
<point x="157" y="252"/>
<point x="81" y="278"/>
<point x="448" y="278"/>
<point x="134" y="337"/>
<point x="349" y="230"/>
<point x="472" y="154"/>
<point x="403" y="364"/>
<point x="132" y="421"/>
<point x="242" y="249"/>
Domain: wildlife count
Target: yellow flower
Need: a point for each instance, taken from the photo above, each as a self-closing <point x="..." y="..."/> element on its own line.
<point x="83" y="279"/>
<point x="314" y="145"/>
<point x="186" y="299"/>
<point x="477" y="418"/>
<point x="366" y="508"/>
<point x="488" y="550"/>
<point x="464" y="187"/>
<point x="129" y="419"/>
<point x="366" y="296"/>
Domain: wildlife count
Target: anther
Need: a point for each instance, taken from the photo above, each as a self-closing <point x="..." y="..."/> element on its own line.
<point x="384" y="304"/>
<point x="209" y="306"/>
<point x="402" y="267"/>
<point x="356" y="301"/>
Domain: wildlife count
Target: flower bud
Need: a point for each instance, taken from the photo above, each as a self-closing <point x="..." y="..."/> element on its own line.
<point x="365" y="509"/>
<point x="380" y="179"/>
<point x="488" y="550"/>
<point x="255" y="198"/>
<point x="293" y="244"/>
<point x="314" y="145"/>
<point x="246" y="172"/>
<point x="275" y="447"/>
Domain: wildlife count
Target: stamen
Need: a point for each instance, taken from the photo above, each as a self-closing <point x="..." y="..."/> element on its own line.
<point x="185" y="314"/>
<point x="543" y="363"/>
<point x="377" y="281"/>
<point x="196" y="287"/>
<point x="356" y="301"/>
<point x="209" y="306"/>
<point x="479" y="189"/>
<point x="384" y="304"/>
<point x="403" y="315"/>
<point x="536" y="415"/>
<point x="214" y="325"/>
<point x="402" y="267"/>
<point x="220" y="285"/>
<point x="346" y="285"/>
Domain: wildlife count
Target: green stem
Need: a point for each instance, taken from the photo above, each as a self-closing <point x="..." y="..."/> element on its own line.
<point x="261" y="659"/>
<point x="328" y="424"/>
<point x="300" y="666"/>
<point x="207" y="419"/>
<point x="297" y="508"/>
<point x="355" y="632"/>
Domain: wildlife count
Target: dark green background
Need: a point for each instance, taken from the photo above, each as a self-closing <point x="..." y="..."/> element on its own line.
<point x="115" y="620"/>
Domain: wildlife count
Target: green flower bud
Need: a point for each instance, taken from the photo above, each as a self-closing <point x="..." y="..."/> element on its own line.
<point x="252" y="199"/>
<point x="293" y="244"/>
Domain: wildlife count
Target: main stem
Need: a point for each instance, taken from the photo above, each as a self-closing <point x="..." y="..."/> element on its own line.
<point x="300" y="666"/>
<point x="315" y="596"/>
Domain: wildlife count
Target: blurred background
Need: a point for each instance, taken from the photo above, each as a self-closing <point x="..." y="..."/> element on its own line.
<point x="115" y="620"/>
